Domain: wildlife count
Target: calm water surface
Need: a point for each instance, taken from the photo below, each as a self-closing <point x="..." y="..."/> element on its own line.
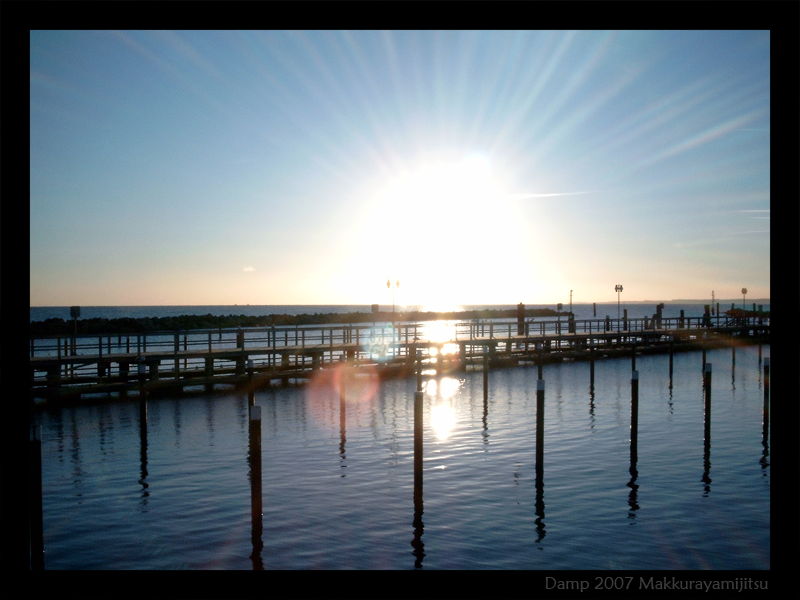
<point x="341" y="495"/>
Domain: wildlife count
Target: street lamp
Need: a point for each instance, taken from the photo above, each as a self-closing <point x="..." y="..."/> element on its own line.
<point x="394" y="286"/>
<point x="75" y="312"/>
<point x="618" y="289"/>
<point x="744" y="293"/>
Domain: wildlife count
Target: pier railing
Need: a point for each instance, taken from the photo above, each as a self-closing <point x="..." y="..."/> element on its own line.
<point x="366" y="335"/>
<point x="182" y="355"/>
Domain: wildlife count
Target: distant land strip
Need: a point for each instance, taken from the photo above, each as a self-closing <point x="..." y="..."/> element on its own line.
<point x="55" y="326"/>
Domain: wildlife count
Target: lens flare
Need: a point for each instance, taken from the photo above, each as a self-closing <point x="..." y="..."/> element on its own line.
<point x="325" y="391"/>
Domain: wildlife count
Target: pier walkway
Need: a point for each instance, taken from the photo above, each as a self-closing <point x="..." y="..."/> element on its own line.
<point x="169" y="361"/>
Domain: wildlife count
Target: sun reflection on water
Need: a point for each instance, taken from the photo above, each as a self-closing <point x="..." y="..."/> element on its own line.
<point x="443" y="419"/>
<point x="443" y="414"/>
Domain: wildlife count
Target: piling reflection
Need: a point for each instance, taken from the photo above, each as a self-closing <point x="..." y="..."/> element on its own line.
<point x="342" y="421"/>
<point x="254" y="460"/>
<point x="143" y="451"/>
<point x="706" y="479"/>
<point x="633" y="495"/>
<point x="419" y="527"/>
<point x="765" y="418"/>
<point x="485" y="420"/>
<point x="539" y="507"/>
<point x="417" y="543"/>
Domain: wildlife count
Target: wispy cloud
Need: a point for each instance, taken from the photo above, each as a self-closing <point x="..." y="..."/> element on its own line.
<point x="526" y="196"/>
<point x="248" y="269"/>
<point x="717" y="239"/>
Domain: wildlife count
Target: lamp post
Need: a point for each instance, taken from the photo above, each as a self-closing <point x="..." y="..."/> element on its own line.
<point x="570" y="301"/>
<point x="75" y="312"/>
<point x="744" y="294"/>
<point x="393" y="286"/>
<point x="618" y="289"/>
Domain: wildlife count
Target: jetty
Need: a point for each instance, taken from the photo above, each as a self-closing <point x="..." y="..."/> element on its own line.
<point x="167" y="362"/>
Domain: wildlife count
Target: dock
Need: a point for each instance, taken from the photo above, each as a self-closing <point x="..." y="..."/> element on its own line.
<point x="168" y="362"/>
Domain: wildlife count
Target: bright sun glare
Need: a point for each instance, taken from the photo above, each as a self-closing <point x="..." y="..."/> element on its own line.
<point x="443" y="415"/>
<point x="433" y="228"/>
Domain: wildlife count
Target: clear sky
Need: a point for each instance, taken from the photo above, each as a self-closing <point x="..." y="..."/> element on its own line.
<point x="475" y="167"/>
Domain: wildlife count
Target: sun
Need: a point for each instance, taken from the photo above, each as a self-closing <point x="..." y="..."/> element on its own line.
<point x="439" y="228"/>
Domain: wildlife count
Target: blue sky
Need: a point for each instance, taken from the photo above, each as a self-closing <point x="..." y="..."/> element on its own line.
<point x="475" y="167"/>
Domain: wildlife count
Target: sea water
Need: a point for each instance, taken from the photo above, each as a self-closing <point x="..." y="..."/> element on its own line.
<point x="339" y="493"/>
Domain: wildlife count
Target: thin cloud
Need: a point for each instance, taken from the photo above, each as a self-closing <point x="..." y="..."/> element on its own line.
<point x="526" y="196"/>
<point x="717" y="239"/>
<point x="248" y="269"/>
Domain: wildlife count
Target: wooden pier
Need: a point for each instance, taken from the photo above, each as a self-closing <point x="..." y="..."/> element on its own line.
<point x="170" y="361"/>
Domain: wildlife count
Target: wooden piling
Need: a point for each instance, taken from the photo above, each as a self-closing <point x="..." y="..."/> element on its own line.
<point x="418" y="509"/>
<point x="256" y="506"/>
<point x="703" y="345"/>
<point x="707" y="389"/>
<point x="251" y="392"/>
<point x="342" y="401"/>
<point x="633" y="356"/>
<point x="419" y="369"/>
<point x="671" y="352"/>
<point x="485" y="374"/>
<point x="765" y="423"/>
<point x="634" y="411"/>
<point x="539" y="358"/>
<point x="539" y="427"/>
<point x="418" y="439"/>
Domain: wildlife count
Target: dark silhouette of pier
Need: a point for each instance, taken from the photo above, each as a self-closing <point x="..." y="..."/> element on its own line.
<point x="169" y="361"/>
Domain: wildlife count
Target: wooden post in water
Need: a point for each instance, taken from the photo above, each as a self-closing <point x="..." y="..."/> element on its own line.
<point x="707" y="389"/>
<point x="765" y="425"/>
<point x="633" y="355"/>
<point x="142" y="396"/>
<point x="255" y="484"/>
<point x="419" y="368"/>
<point x="539" y="358"/>
<point x="342" y="399"/>
<point x="35" y="498"/>
<point x="485" y="373"/>
<point x="703" y="345"/>
<point x="539" y="428"/>
<point x="671" y="352"/>
<point x="418" y="526"/>
<point x="251" y="392"/>
<point x="418" y="439"/>
<point x="175" y="357"/>
<point x="634" y="412"/>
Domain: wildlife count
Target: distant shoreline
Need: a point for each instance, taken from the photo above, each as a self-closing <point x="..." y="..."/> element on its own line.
<point x="56" y="326"/>
<point x="465" y="306"/>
